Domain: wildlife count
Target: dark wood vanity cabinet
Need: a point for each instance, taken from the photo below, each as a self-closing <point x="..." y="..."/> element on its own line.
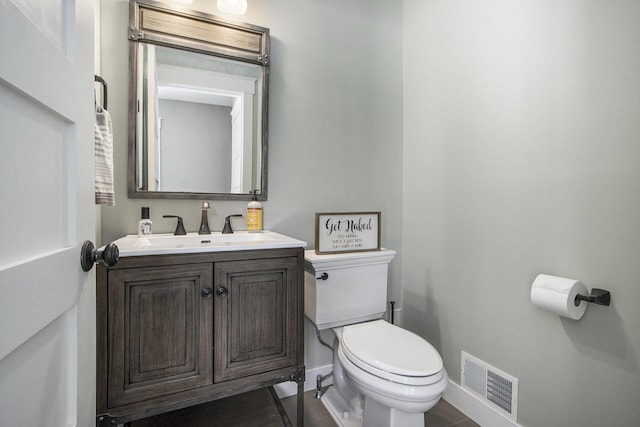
<point x="179" y="330"/>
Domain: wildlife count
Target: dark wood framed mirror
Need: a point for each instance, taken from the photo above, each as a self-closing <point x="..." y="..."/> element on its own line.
<point x="198" y="105"/>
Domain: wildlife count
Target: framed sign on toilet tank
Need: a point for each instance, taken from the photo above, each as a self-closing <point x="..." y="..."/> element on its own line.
<point x="339" y="232"/>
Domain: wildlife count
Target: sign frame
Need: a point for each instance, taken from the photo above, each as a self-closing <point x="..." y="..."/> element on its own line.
<point x="343" y="232"/>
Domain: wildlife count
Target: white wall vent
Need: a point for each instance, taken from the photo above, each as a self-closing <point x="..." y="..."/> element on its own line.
<point x="495" y="388"/>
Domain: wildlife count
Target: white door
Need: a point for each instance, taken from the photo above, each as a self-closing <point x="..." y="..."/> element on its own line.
<point x="47" y="303"/>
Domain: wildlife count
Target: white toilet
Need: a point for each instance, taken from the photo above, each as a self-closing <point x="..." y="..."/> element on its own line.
<point x="383" y="375"/>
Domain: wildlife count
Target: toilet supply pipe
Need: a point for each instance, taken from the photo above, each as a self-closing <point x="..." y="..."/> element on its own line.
<point x="321" y="378"/>
<point x="391" y="311"/>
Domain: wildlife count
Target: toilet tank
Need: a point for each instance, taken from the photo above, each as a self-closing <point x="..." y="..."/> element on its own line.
<point x="355" y="288"/>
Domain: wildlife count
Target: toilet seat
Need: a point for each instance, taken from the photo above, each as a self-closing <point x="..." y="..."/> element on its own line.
<point x="392" y="353"/>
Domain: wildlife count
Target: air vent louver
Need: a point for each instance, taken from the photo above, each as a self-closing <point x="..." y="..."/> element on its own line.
<point x="494" y="387"/>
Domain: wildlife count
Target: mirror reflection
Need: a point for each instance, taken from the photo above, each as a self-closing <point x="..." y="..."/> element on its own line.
<point x="199" y="113"/>
<point x="198" y="105"/>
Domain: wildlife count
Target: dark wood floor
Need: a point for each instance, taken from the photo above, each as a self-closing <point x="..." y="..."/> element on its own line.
<point x="315" y="414"/>
<point x="258" y="409"/>
<point x="253" y="409"/>
<point x="446" y="415"/>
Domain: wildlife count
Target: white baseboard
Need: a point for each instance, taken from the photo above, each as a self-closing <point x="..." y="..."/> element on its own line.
<point x="474" y="408"/>
<point x="290" y="388"/>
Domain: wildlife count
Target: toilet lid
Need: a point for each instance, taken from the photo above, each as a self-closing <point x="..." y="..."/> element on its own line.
<point x="382" y="348"/>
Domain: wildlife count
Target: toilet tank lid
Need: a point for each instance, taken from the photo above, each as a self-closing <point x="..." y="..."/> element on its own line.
<point x="347" y="259"/>
<point x="391" y="349"/>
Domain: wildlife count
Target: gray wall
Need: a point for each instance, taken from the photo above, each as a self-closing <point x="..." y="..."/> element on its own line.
<point x="335" y="128"/>
<point x="522" y="156"/>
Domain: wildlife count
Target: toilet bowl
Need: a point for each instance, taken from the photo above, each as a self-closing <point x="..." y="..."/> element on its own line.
<point x="399" y="375"/>
<point x="383" y="375"/>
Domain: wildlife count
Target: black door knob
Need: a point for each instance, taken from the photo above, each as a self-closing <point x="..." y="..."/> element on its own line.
<point x="221" y="291"/>
<point x="90" y="255"/>
<point x="206" y="292"/>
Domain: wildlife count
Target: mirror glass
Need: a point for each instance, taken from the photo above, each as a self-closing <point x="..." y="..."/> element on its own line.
<point x="197" y="118"/>
<point x="199" y="114"/>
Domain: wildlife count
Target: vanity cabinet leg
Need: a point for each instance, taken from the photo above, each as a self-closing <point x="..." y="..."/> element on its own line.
<point x="300" y="403"/>
<point x="299" y="378"/>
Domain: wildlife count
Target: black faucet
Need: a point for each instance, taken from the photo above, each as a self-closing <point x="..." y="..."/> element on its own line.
<point x="227" y="224"/>
<point x="204" y="223"/>
<point x="180" y="231"/>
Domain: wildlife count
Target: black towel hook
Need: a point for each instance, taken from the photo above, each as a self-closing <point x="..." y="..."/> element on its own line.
<point x="104" y="90"/>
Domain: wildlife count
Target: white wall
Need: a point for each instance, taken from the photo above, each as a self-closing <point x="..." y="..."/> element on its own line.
<point x="335" y="122"/>
<point x="522" y="156"/>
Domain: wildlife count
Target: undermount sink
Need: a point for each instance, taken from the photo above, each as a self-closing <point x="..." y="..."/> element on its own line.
<point x="158" y="244"/>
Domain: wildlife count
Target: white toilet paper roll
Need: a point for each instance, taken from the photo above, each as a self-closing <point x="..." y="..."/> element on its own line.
<point x="558" y="294"/>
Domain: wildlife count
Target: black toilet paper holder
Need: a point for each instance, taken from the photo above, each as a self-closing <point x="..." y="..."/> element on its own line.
<point x="597" y="296"/>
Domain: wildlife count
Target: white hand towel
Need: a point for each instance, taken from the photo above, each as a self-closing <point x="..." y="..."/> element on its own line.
<point x="104" y="158"/>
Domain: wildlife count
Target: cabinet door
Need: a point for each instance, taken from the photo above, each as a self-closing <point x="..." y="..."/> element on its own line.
<point x="160" y="328"/>
<point x="255" y="317"/>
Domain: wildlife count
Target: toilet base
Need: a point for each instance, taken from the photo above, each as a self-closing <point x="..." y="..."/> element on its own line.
<point x="340" y="411"/>
<point x="375" y="414"/>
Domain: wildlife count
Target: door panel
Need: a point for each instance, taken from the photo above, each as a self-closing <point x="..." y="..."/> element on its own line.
<point x="40" y="225"/>
<point x="262" y="299"/>
<point x="161" y="332"/>
<point x="255" y="323"/>
<point x="48" y="18"/>
<point x="54" y="343"/>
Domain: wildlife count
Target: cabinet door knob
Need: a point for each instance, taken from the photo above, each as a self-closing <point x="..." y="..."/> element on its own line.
<point x="206" y="292"/>
<point x="221" y="291"/>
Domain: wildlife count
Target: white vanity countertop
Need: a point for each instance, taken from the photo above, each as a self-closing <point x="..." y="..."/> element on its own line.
<point x="166" y="244"/>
